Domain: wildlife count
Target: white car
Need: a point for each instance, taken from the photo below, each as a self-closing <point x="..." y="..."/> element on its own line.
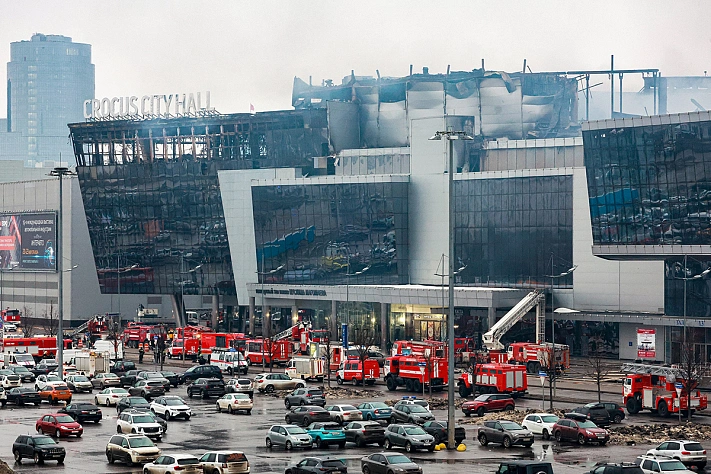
<point x="10" y="327"/>
<point x="224" y="462"/>
<point x="174" y="462"/>
<point x="10" y="381"/>
<point x="141" y="423"/>
<point x="45" y="380"/>
<point x="232" y="402"/>
<point x="110" y="396"/>
<point x="410" y="400"/>
<point x="540" y="423"/>
<point x="344" y="413"/>
<point x="661" y="465"/>
<point x="691" y="453"/>
<point x="171" y="406"/>
<point x="79" y="383"/>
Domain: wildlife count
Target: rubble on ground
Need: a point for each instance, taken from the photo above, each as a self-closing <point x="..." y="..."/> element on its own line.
<point x="512" y="415"/>
<point x="658" y="432"/>
<point x="4" y="468"/>
<point x="438" y="403"/>
<point x="348" y="392"/>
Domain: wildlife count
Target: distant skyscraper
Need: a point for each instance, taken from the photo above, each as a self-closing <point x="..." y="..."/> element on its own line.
<point x="48" y="80"/>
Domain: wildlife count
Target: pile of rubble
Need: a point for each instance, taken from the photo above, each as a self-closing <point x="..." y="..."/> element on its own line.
<point x="513" y="415"/>
<point x="658" y="432"/>
<point x="347" y="392"/>
<point x="5" y="469"/>
<point x="435" y="403"/>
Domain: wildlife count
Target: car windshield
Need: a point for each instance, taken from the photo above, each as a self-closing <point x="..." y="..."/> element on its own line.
<point x="118" y="390"/>
<point x="141" y="442"/>
<point x="65" y="419"/>
<point x="672" y="466"/>
<point x="20" y="369"/>
<point x="587" y="424"/>
<point x="174" y="402"/>
<point x="418" y="409"/>
<point x="414" y="430"/>
<point x="510" y="425"/>
<point x="693" y="447"/>
<point x="44" y="440"/>
<point x="348" y="407"/>
<point x="142" y="419"/>
<point x="295" y="430"/>
<point x="187" y="461"/>
<point x="333" y="463"/>
<point x="379" y="405"/>
<point x="398" y="459"/>
<point x="81" y="378"/>
<point x="550" y="419"/>
<point x="59" y="387"/>
<point x="53" y="378"/>
<point x="482" y="398"/>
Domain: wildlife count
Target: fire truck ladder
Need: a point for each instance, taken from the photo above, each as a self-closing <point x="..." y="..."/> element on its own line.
<point x="492" y="338"/>
<point x="81" y="329"/>
<point x="633" y="368"/>
<point x="288" y="332"/>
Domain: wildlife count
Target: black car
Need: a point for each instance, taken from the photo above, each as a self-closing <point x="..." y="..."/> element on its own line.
<point x="171" y="376"/>
<point x="23" y="372"/>
<point x="41" y="448"/>
<point x="616" y="468"/>
<point x="44" y="367"/>
<point x="149" y="375"/>
<point x="305" y="396"/>
<point x="616" y="412"/>
<point x="206" y="388"/>
<point x="410" y="413"/>
<point x="129" y="378"/>
<point x="438" y="429"/>
<point x="200" y="371"/>
<point x="594" y="412"/>
<point x="382" y="463"/>
<point x="83" y="411"/>
<point x="127" y="403"/>
<point x="365" y="432"/>
<point x="22" y="396"/>
<point x="317" y="466"/>
<point x="526" y="467"/>
<point x="122" y="366"/>
<point x="147" y="388"/>
<point x="307" y="414"/>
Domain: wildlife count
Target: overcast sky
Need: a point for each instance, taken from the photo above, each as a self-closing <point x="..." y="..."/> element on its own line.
<point x="249" y="51"/>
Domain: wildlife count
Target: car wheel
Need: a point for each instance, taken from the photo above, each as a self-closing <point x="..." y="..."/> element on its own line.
<point x="558" y="436"/>
<point x="369" y="417"/>
<point x="18" y="456"/>
<point x="546" y="434"/>
<point x="57" y="433"/>
<point x="302" y="403"/>
<point x="618" y="418"/>
<point x="190" y="393"/>
<point x="581" y="440"/>
<point x="339" y="420"/>
<point x="300" y="385"/>
<point x="509" y="408"/>
<point x="38" y="459"/>
<point x="287" y="404"/>
<point x="359" y="442"/>
<point x="482" y="439"/>
<point x="269" y="389"/>
<point x="387" y="444"/>
<point x="366" y="470"/>
<point x="306" y="421"/>
<point x="437" y="438"/>
<point x="408" y="447"/>
<point x="288" y="446"/>
<point x="39" y="431"/>
<point x="480" y="411"/>
<point x="229" y="409"/>
<point x="339" y="380"/>
<point x="506" y="443"/>
<point x="269" y="443"/>
<point x="319" y="443"/>
<point x="219" y="410"/>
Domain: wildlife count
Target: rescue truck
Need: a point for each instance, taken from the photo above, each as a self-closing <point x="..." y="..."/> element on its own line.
<point x="39" y="347"/>
<point x="230" y="361"/>
<point x="352" y="370"/>
<point x="258" y="350"/>
<point x="11" y="315"/>
<point x="135" y="334"/>
<point x="90" y="363"/>
<point x="305" y="368"/>
<point x="184" y="348"/>
<point x="414" y="371"/>
<point x="494" y="378"/>
<point x="221" y="340"/>
<point x="651" y="387"/>
<point x="532" y="355"/>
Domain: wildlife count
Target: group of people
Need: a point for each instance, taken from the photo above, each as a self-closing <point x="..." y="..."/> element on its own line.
<point x="157" y="346"/>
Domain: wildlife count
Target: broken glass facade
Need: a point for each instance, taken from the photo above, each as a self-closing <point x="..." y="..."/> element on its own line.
<point x="332" y="233"/>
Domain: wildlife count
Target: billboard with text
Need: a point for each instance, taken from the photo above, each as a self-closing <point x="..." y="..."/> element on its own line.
<point x="28" y="241"/>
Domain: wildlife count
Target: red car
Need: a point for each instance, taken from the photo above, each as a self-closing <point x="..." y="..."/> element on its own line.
<point x="59" y="424"/>
<point x="487" y="403"/>
<point x="581" y="430"/>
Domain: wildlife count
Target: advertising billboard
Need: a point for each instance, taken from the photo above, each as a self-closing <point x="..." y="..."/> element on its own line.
<point x="646" y="343"/>
<point x="27" y="241"/>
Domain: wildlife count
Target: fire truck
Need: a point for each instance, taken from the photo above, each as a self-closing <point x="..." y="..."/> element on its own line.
<point x="651" y="387"/>
<point x="532" y="355"/>
<point x="351" y="370"/>
<point x="258" y="349"/>
<point x="135" y="334"/>
<point x="184" y="348"/>
<point x="39" y="347"/>
<point x="494" y="378"/>
<point x="414" y="371"/>
<point x="221" y="340"/>
<point x="11" y="315"/>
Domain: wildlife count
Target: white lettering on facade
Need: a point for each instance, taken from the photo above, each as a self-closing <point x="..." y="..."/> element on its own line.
<point x="148" y="105"/>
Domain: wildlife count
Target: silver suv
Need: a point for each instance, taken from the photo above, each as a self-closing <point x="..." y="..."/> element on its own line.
<point x="691" y="453"/>
<point x="289" y="436"/>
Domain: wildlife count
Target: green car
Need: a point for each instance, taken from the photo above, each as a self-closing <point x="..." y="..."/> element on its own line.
<point x="325" y="434"/>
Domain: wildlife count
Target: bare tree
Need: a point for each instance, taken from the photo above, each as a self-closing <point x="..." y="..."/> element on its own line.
<point x="328" y="356"/>
<point x="50" y="320"/>
<point x="693" y="369"/>
<point x="364" y="338"/>
<point x="114" y="333"/>
<point x="29" y="323"/>
<point x="548" y="357"/>
<point x="597" y="369"/>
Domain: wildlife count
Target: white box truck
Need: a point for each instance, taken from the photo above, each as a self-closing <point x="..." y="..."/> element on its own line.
<point x="91" y="363"/>
<point x="105" y="345"/>
<point x="305" y="368"/>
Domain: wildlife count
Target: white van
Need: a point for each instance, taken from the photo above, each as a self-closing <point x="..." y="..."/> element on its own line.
<point x="105" y="345"/>
<point x="229" y="362"/>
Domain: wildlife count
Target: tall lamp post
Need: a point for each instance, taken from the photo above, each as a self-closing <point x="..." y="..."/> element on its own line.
<point x="450" y="136"/>
<point x="262" y="274"/>
<point x="60" y="172"/>
<point x="686" y="279"/>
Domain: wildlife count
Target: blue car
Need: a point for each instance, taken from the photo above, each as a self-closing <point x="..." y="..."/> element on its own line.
<point x="375" y="411"/>
<point x="326" y="434"/>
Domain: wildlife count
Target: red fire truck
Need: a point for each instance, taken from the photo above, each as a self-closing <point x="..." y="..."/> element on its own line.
<point x="258" y="349"/>
<point x="494" y="378"/>
<point x="221" y="340"/>
<point x="351" y="370"/>
<point x="11" y="315"/>
<point x="135" y="334"/>
<point x="651" y="387"/>
<point x="413" y="371"/>
<point x="39" y="347"/>
<point x="184" y="348"/>
<point x="531" y="355"/>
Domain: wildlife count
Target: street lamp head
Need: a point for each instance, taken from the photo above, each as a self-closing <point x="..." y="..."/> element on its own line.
<point x="437" y="136"/>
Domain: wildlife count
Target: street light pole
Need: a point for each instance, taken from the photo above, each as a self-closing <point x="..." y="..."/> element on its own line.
<point x="262" y="274"/>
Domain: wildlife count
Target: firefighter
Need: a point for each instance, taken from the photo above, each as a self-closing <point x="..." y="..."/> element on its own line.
<point x="141" y="351"/>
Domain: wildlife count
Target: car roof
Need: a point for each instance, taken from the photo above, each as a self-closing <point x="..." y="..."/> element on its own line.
<point x="542" y="414"/>
<point x="179" y="455"/>
<point x="225" y="452"/>
<point x="524" y="462"/>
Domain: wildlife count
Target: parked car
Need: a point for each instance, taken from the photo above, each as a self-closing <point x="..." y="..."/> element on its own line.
<point x="271" y="382"/>
<point x="289" y="436"/>
<point x="155" y="376"/>
<point x="375" y="411"/>
<point x="410" y="413"/>
<point x="41" y="448"/>
<point x="616" y="468"/>
<point x="224" y="462"/>
<point x="206" y="388"/>
<point x="413" y="400"/>
<point x="122" y="366"/>
<point x="129" y="378"/>
<point x="581" y="430"/>
<point x="101" y="381"/>
<point x="540" y="423"/>
<point x="438" y="430"/>
<point x="305" y="396"/>
<point x="200" y="371"/>
<point x="661" y="465"/>
<point x="171" y="376"/>
<point x="326" y="434"/>
<point x="232" y="402"/>
<point x="131" y="449"/>
<point x="110" y="396"/>
<point x="131" y="422"/>
<point x="23" y="372"/>
<point x="505" y="432"/>
<point x="163" y="424"/>
<point x="691" y="453"/>
<point x="170" y="407"/>
<point x="130" y="402"/>
<point x="79" y="384"/>
<point x="3" y="396"/>
<point x="487" y="403"/>
<point x="616" y="412"/>
<point x="388" y="463"/>
<point x="59" y="424"/>
<point x="44" y="367"/>
<point x="594" y="412"/>
<point x="174" y="462"/>
<point x="23" y="396"/>
<point x="83" y="411"/>
<point x="525" y="467"/>
<point x="317" y="466"/>
<point x="10" y="380"/>
<point x="43" y="380"/>
<point x="55" y="393"/>
<point x="365" y="432"/>
<point x="306" y="414"/>
<point x="10" y="327"/>
<point x="411" y="437"/>
<point x="344" y="413"/>
<point x="240" y="385"/>
<point x="147" y="389"/>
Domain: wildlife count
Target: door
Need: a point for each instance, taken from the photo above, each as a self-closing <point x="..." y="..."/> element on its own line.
<point x="125" y="451"/>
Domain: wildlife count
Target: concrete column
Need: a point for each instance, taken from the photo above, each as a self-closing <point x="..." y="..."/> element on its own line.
<point x="215" y="310"/>
<point x="251" y="315"/>
<point x="294" y="315"/>
<point x="177" y="310"/>
<point x="333" y="320"/>
<point x="491" y="317"/>
<point x="384" y="320"/>
<point x="267" y="322"/>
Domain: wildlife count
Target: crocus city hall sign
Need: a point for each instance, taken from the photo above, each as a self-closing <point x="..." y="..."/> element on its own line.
<point x="170" y="105"/>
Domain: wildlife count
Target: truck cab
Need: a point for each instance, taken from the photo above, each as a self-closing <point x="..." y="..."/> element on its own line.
<point x="230" y="362"/>
<point x="351" y="370"/>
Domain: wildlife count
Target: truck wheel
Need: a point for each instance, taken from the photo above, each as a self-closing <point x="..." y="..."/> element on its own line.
<point x="632" y="407"/>
<point x="663" y="409"/>
<point x="390" y="383"/>
<point x="408" y="385"/>
<point x="463" y="391"/>
<point x="339" y="380"/>
<point x="529" y="367"/>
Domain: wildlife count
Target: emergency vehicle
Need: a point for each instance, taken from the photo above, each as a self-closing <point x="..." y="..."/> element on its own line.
<point x="278" y="352"/>
<point x="221" y="340"/>
<point x="305" y="368"/>
<point x="39" y="347"/>
<point x="11" y="315"/>
<point x="651" y="387"/>
<point x="413" y="371"/>
<point x="134" y="334"/>
<point x="184" y="348"/>
<point x="230" y="361"/>
<point x="532" y="355"/>
<point x="351" y="370"/>
<point x="494" y="378"/>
